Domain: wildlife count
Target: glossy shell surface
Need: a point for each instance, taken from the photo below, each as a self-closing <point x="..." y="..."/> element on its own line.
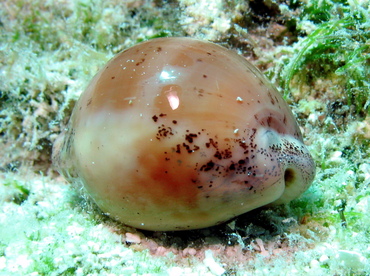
<point x="177" y="133"/>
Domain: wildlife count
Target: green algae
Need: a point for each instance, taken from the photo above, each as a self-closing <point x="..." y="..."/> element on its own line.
<point x="340" y="45"/>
